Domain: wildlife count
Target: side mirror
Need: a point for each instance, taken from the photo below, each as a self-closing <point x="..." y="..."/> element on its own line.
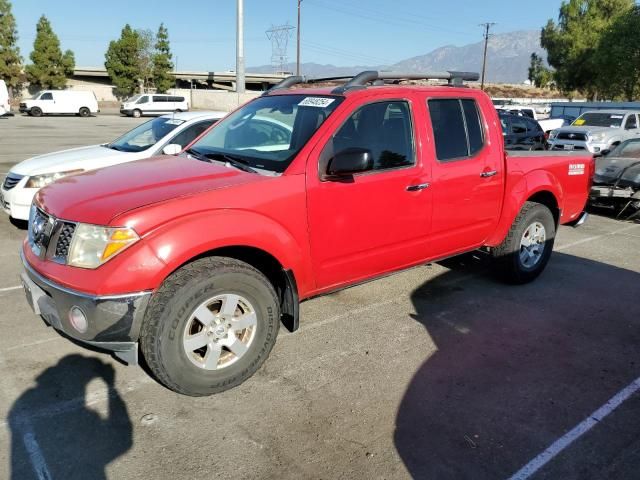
<point x="350" y="161"/>
<point x="605" y="152"/>
<point x="172" y="149"/>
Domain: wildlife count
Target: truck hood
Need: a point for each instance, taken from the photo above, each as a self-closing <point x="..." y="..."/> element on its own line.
<point x="100" y="195"/>
<point x="609" y="170"/>
<point x="584" y="129"/>
<point x="72" y="159"/>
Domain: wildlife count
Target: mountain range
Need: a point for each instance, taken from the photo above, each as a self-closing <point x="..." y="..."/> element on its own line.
<point x="508" y="57"/>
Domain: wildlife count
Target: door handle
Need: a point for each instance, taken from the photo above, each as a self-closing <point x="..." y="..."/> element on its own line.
<point x="420" y="186"/>
<point x="488" y="173"/>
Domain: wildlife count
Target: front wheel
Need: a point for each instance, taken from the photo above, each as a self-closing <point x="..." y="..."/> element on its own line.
<point x="525" y="251"/>
<point x="210" y="326"/>
<point x="84" y="112"/>
<point x="36" y="112"/>
<point x="136" y="113"/>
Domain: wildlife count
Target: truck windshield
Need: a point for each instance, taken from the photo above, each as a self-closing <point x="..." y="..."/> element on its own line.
<point x="268" y="132"/>
<point x="145" y="135"/>
<point x="599" y="119"/>
<point x="132" y="99"/>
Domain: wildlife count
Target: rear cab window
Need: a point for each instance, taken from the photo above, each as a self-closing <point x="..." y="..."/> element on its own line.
<point x="457" y="128"/>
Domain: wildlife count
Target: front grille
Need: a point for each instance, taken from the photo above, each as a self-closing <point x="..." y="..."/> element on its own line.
<point x="49" y="237"/>
<point x="580" y="137"/>
<point x="64" y="239"/>
<point x="11" y="180"/>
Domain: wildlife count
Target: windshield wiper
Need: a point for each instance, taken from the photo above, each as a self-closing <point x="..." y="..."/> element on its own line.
<point x="239" y="163"/>
<point x="197" y="154"/>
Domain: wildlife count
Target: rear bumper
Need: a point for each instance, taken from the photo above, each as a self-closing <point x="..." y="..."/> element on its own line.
<point x="113" y="322"/>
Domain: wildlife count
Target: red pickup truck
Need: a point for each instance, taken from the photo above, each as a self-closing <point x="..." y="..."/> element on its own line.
<point x="196" y="259"/>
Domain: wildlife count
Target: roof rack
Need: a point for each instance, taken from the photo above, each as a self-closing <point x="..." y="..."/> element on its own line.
<point x="377" y="78"/>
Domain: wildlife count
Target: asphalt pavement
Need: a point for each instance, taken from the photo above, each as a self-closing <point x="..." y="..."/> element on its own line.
<point x="438" y="372"/>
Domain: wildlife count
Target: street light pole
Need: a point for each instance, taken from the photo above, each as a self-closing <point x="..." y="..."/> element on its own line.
<point x="298" y="43"/>
<point x="240" y="81"/>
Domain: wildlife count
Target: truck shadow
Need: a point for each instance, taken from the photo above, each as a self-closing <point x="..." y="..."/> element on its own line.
<point x="54" y="434"/>
<point x="518" y="367"/>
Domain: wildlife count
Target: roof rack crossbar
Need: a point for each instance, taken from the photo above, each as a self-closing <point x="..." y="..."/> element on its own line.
<point x="369" y="76"/>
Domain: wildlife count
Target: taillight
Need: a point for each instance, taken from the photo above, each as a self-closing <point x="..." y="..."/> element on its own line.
<point x="592" y="171"/>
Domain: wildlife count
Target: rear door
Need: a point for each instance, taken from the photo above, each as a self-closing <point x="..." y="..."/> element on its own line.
<point x="376" y="221"/>
<point x="467" y="174"/>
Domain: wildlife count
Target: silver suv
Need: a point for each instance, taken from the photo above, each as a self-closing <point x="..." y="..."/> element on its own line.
<point x="596" y="131"/>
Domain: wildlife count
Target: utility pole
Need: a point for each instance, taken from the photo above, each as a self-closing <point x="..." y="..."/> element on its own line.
<point x="486" y="27"/>
<point x="298" y="44"/>
<point x="240" y="83"/>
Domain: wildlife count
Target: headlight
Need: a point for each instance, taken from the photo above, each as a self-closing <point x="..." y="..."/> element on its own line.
<point x="39" y="181"/>
<point x="552" y="134"/>
<point x="597" y="137"/>
<point x="92" y="245"/>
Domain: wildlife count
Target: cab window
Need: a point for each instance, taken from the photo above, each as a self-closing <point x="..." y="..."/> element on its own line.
<point x="384" y="128"/>
<point x="46" y="96"/>
<point x="143" y="99"/>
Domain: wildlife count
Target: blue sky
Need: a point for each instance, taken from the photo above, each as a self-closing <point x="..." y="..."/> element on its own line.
<point x="341" y="32"/>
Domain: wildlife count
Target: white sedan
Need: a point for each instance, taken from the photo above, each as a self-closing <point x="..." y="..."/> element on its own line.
<point x="167" y="134"/>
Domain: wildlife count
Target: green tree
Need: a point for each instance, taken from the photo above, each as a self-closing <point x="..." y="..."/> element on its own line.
<point x="50" y="68"/>
<point x="162" y="64"/>
<point x="572" y="44"/>
<point x="146" y="42"/>
<point x="618" y="58"/>
<point x="539" y="75"/>
<point x="122" y="62"/>
<point x="10" y="59"/>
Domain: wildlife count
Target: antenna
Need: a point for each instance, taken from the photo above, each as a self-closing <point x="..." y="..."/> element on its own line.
<point x="279" y="36"/>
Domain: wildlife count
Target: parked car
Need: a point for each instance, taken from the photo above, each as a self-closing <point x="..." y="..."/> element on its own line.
<point x="157" y="104"/>
<point x="547" y="124"/>
<point x="60" y="102"/>
<point x="197" y="258"/>
<point x="616" y="183"/>
<point x="596" y="131"/>
<point x="167" y="134"/>
<point x="521" y="133"/>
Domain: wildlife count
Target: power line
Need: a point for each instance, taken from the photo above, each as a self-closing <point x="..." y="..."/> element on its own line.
<point x="486" y="26"/>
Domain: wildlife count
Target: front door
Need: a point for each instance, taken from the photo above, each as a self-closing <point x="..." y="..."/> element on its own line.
<point x="375" y="221"/>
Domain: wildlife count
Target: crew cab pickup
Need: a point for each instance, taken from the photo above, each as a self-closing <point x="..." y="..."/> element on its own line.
<point x="196" y="259"/>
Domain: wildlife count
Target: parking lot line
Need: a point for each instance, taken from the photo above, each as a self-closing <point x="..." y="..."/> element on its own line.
<point x="596" y="237"/>
<point x="583" y="427"/>
<point x="8" y="289"/>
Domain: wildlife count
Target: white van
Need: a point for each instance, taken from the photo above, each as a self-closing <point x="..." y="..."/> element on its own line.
<point x="153" y="104"/>
<point x="60" y="102"/>
<point x="4" y="98"/>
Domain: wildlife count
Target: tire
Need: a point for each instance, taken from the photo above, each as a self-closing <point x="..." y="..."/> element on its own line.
<point x="517" y="262"/>
<point x="177" y="110"/>
<point x="174" y="317"/>
<point x="36" y="112"/>
<point x="136" y="113"/>
<point x="84" y="112"/>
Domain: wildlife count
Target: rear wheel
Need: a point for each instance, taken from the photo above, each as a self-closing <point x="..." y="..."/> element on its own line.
<point x="36" y="112"/>
<point x="84" y="112"/>
<point x="525" y="251"/>
<point x="136" y="113"/>
<point x="210" y="326"/>
<point x="177" y="110"/>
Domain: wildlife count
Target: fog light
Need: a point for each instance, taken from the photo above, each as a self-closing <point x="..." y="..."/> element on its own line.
<point x="78" y="319"/>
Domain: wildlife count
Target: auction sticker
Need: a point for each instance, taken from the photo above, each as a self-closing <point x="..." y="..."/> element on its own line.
<point x="576" y="169"/>
<point x="320" y="102"/>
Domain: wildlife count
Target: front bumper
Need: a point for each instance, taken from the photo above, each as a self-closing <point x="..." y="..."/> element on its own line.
<point x="113" y="321"/>
<point x="125" y="111"/>
<point x="577" y="145"/>
<point x="17" y="201"/>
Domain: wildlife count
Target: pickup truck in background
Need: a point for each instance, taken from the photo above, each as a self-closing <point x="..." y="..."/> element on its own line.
<point x="596" y="132"/>
<point x="196" y="259"/>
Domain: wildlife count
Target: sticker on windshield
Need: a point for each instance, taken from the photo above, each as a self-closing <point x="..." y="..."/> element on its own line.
<point x="617" y="116"/>
<point x="174" y="121"/>
<point x="576" y="169"/>
<point x="320" y="102"/>
<point x="579" y="121"/>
